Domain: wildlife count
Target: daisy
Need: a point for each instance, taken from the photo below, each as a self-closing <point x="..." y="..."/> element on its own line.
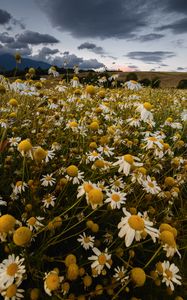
<point x="14" y="141"/>
<point x="11" y="271"/>
<point x="100" y="260"/>
<point x="49" y="155"/>
<point x="116" y="183"/>
<point x="56" y="146"/>
<point x="170" y="251"/>
<point x="134" y="226"/>
<point x="115" y="199"/>
<point x="134" y="122"/>
<point x="49" y="200"/>
<point x="19" y="187"/>
<point x="92" y="156"/>
<point x="12" y="293"/>
<point x="120" y="274"/>
<point x="126" y="162"/>
<point x="34" y="223"/>
<point x="170" y="275"/>
<point x="150" y="186"/>
<point x="133" y="85"/>
<point x="86" y="241"/>
<point x="52" y="282"/>
<point x="76" y="179"/>
<point x="106" y="150"/>
<point x="85" y="188"/>
<point x="152" y="142"/>
<point x="48" y="180"/>
<point x="145" y="113"/>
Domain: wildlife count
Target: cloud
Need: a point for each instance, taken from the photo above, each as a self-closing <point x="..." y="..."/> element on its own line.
<point x="36" y="38"/>
<point x="45" y="53"/>
<point x="150" y="37"/>
<point x="5" y="17"/>
<point x="179" y="6"/>
<point x="177" y="27"/>
<point x="91" y="47"/>
<point x="73" y="60"/>
<point x="150" y="56"/>
<point x="181" y="69"/>
<point x="5" y="38"/>
<point x="99" y="18"/>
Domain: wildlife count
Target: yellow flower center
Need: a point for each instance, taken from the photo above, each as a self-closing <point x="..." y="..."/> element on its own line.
<point x="99" y="163"/>
<point x="87" y="187"/>
<point x="120" y="274"/>
<point x="167" y="237"/>
<point x="11" y="291"/>
<point x="72" y="171"/>
<point x="128" y="158"/>
<point x="40" y="154"/>
<point x="95" y="196"/>
<point x="115" y="197"/>
<point x="95" y="154"/>
<point x="147" y="105"/>
<point x="152" y="139"/>
<point x="169" y="274"/>
<point x="24" y="146"/>
<point x="52" y="281"/>
<point x="138" y="276"/>
<point x="150" y="184"/>
<point x="32" y="221"/>
<point x="22" y="236"/>
<point x="86" y="239"/>
<point x="48" y="178"/>
<point x="94" y="126"/>
<point x="136" y="222"/>
<point x="73" y="124"/>
<point x="7" y="223"/>
<point x="12" y="269"/>
<point x="102" y="259"/>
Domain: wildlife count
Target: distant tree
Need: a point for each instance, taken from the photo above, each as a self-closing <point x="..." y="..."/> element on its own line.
<point x="145" y="81"/>
<point x="155" y="82"/>
<point x="182" y="84"/>
<point x="131" y="76"/>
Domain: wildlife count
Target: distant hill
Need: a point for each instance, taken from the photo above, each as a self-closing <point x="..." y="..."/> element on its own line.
<point x="7" y="63"/>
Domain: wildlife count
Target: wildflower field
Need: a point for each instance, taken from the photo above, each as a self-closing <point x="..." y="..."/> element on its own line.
<point x="93" y="191"/>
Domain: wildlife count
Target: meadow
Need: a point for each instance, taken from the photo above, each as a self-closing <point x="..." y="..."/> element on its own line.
<point x="93" y="190"/>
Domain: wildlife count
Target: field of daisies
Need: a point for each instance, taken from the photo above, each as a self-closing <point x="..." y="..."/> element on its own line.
<point x="93" y="194"/>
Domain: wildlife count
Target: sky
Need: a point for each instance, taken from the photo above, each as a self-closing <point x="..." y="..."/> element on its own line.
<point x="134" y="35"/>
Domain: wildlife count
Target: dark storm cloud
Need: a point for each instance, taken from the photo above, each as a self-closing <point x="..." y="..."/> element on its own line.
<point x="150" y="56"/>
<point x="73" y="60"/>
<point x="91" y="47"/>
<point x="5" y="17"/>
<point x="45" y="53"/>
<point x="179" y="6"/>
<point x="177" y="27"/>
<point x="181" y="69"/>
<point x="36" y="38"/>
<point x="150" y="37"/>
<point x="99" y="18"/>
<point x="5" y="38"/>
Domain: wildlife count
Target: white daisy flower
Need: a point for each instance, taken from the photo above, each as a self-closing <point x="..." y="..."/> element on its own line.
<point x="52" y="282"/>
<point x="126" y="162"/>
<point x="85" y="188"/>
<point x="100" y="260"/>
<point x="12" y="293"/>
<point x="134" y="122"/>
<point x="49" y="200"/>
<point x="116" y="183"/>
<point x="145" y="113"/>
<point x="152" y="142"/>
<point x="135" y="227"/>
<point x="34" y="223"/>
<point x="11" y="271"/>
<point x="120" y="274"/>
<point x="86" y="241"/>
<point x="48" y="180"/>
<point x="133" y="85"/>
<point x="76" y="179"/>
<point x="92" y="156"/>
<point x="14" y="141"/>
<point x="170" y="275"/>
<point x="19" y="187"/>
<point x="170" y="251"/>
<point x="106" y="150"/>
<point x="50" y="154"/>
<point x="116" y="199"/>
<point x="151" y="186"/>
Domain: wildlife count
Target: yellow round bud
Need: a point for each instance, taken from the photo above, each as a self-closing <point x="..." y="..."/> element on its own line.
<point x="169" y="181"/>
<point x="24" y="146"/>
<point x="7" y="223"/>
<point x="95" y="196"/>
<point x="90" y="89"/>
<point x="147" y="105"/>
<point x="138" y="276"/>
<point x="34" y="294"/>
<point x="13" y="102"/>
<point x="167" y="237"/>
<point x="87" y="280"/>
<point x="94" y="126"/>
<point x="72" y="171"/>
<point x="70" y="259"/>
<point x="73" y="271"/>
<point x="39" y="154"/>
<point x="22" y="236"/>
<point x="52" y="281"/>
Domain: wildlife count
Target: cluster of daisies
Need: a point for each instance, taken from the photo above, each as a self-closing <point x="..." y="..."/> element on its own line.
<point x="92" y="191"/>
